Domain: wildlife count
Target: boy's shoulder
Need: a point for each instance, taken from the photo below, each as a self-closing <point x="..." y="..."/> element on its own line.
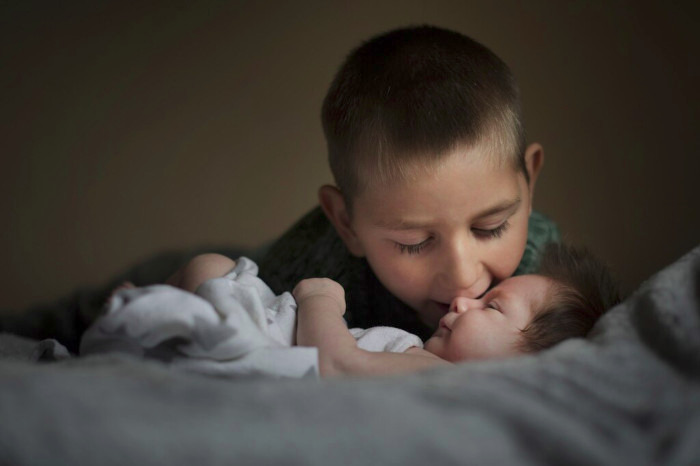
<point x="540" y="231"/>
<point x="310" y="248"/>
<point x="542" y="228"/>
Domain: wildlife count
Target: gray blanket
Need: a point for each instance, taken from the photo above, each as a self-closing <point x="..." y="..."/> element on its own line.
<point x="630" y="394"/>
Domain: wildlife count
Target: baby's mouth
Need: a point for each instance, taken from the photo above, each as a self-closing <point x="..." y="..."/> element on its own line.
<point x="442" y="325"/>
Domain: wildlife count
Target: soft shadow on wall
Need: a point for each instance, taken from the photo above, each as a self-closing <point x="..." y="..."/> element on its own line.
<point x="130" y="130"/>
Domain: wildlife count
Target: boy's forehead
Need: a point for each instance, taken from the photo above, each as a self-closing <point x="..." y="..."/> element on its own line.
<point x="467" y="183"/>
<point x="387" y="170"/>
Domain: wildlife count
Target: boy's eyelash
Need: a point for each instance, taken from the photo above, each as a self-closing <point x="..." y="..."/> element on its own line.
<point x="488" y="234"/>
<point x="493" y="233"/>
<point x="411" y="248"/>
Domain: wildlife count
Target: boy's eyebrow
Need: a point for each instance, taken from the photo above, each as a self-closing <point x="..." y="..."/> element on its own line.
<point x="498" y="208"/>
<point x="401" y="224"/>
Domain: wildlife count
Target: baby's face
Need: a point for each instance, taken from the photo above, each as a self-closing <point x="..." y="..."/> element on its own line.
<point x="489" y="327"/>
<point x="451" y="232"/>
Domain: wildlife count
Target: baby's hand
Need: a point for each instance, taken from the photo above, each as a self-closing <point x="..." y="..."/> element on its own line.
<point x="318" y="288"/>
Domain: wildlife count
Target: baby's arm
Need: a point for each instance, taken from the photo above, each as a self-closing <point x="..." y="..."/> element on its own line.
<point x="320" y="309"/>
<point x="200" y="269"/>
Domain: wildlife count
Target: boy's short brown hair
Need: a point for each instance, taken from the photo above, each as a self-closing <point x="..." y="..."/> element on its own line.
<point x="412" y="94"/>
<point x="584" y="291"/>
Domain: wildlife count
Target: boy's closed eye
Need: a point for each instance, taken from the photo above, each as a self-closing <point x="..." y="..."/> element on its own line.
<point x="489" y="233"/>
<point x="412" y="248"/>
<point x="482" y="233"/>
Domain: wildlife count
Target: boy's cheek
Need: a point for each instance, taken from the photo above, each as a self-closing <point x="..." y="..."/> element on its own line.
<point x="505" y="256"/>
<point x="405" y="280"/>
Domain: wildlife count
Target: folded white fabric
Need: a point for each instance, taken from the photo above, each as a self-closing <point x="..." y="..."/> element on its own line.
<point x="233" y="325"/>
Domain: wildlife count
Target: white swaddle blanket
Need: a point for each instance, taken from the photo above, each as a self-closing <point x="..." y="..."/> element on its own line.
<point x="233" y="325"/>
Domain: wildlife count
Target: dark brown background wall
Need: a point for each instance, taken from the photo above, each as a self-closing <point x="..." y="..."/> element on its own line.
<point x="131" y="130"/>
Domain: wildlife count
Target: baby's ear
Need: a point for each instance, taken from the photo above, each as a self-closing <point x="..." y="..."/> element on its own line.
<point x="333" y="205"/>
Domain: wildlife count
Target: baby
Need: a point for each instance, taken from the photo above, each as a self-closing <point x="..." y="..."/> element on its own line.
<point x="521" y="314"/>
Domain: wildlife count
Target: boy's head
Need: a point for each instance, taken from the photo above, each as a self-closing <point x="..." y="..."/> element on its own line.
<point x="529" y="313"/>
<point x="406" y="98"/>
<point x="434" y="182"/>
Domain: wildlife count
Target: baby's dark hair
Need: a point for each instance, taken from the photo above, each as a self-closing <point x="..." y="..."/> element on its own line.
<point x="413" y="94"/>
<point x="584" y="291"/>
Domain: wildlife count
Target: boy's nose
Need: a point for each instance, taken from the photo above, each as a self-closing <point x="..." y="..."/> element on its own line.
<point x="462" y="304"/>
<point x="462" y="271"/>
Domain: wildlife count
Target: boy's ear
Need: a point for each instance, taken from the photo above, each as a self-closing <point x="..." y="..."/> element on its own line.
<point x="534" y="160"/>
<point x="333" y="205"/>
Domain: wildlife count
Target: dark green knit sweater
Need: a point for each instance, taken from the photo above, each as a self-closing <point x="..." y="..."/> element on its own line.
<point x="312" y="248"/>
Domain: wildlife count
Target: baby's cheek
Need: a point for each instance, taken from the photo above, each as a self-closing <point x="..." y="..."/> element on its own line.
<point x="432" y="346"/>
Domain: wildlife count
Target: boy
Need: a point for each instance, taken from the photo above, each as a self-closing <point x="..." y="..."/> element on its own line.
<point x="434" y="183"/>
<point x="521" y="314"/>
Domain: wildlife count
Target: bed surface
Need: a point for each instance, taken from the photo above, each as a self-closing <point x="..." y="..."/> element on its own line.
<point x="630" y="394"/>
